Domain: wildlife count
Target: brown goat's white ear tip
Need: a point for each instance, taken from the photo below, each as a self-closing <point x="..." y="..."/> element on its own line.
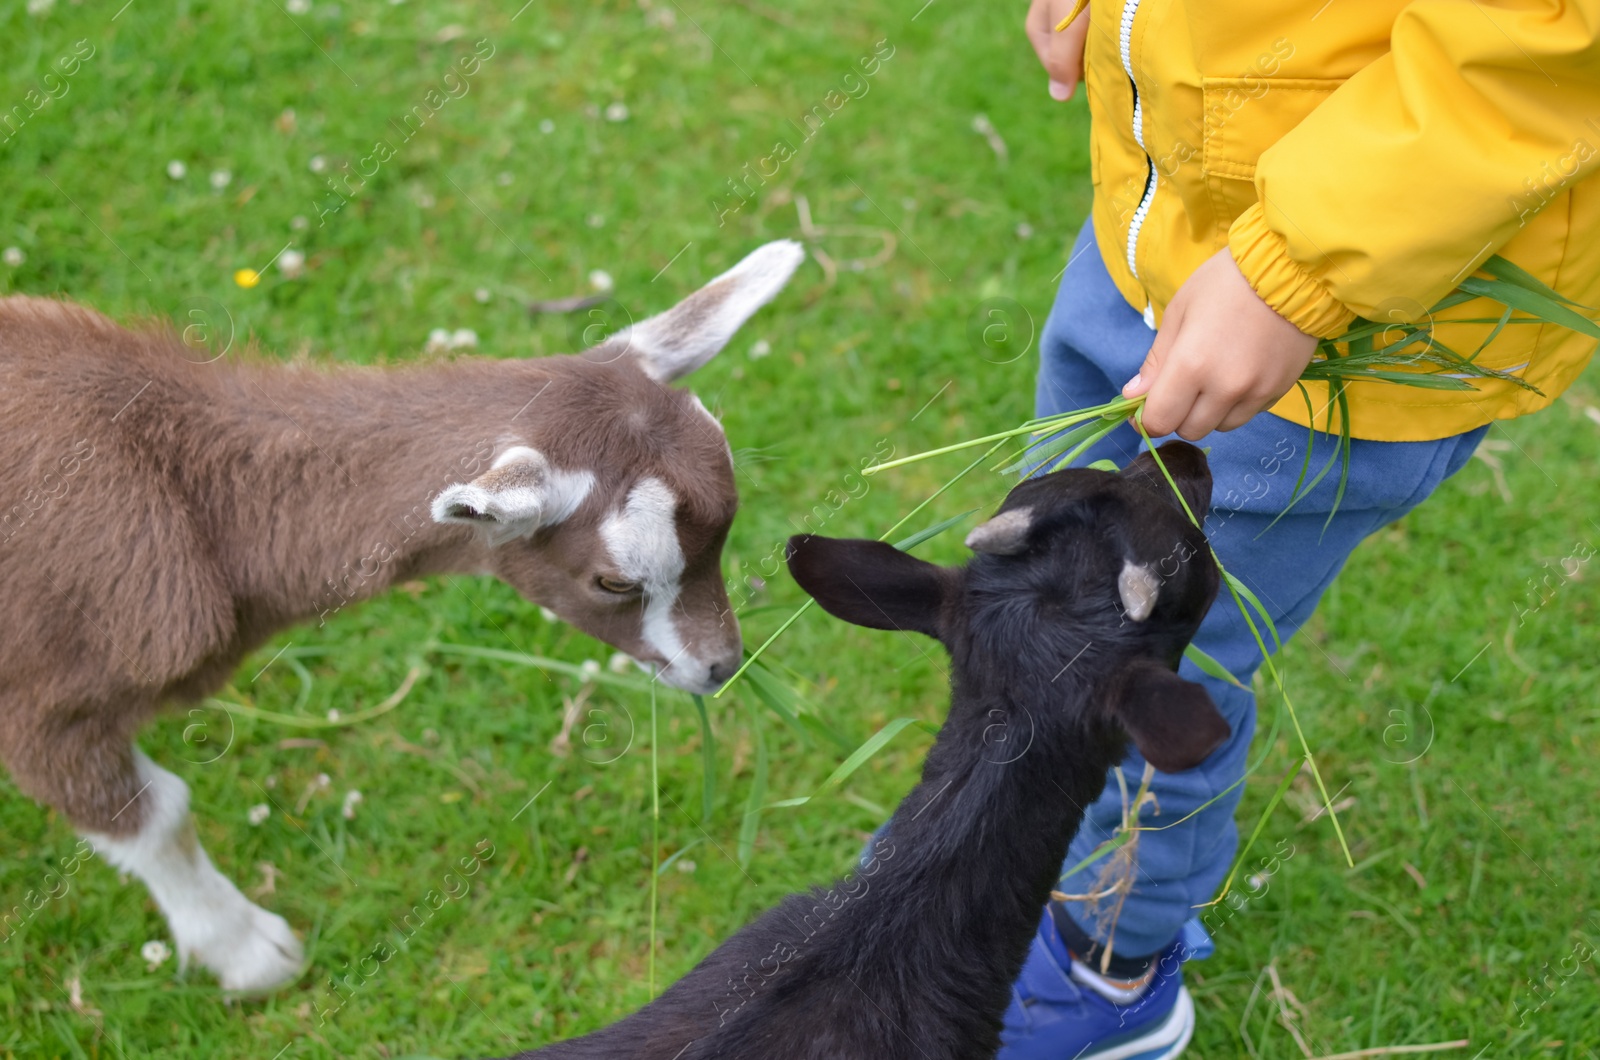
<point x="462" y="503"/>
<point x="1138" y="586"/>
<point x="1004" y="535"/>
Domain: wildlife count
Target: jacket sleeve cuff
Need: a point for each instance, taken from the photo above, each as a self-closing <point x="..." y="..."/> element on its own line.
<point x="1263" y="257"/>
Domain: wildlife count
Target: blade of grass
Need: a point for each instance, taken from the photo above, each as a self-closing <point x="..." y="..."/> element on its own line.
<point x="655" y="835"/>
<point x="302" y="722"/>
<point x="1210" y="666"/>
<point x="1532" y="303"/>
<point x="680" y="852"/>
<point x="787" y="704"/>
<point x="1266" y="657"/>
<point x="1261" y="824"/>
<point x="751" y="825"/>
<point x="537" y="662"/>
<point x="708" y="760"/>
<point x="1046" y="449"/>
<point x="1501" y="269"/>
<point x="1342" y="397"/>
<point x="906" y="544"/>
<point x="803" y="608"/>
<point x="857" y="758"/>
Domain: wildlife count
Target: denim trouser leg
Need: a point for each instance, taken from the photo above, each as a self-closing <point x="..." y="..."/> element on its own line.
<point x="1091" y="345"/>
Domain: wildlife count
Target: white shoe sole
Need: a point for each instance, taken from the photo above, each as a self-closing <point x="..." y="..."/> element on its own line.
<point x="1171" y="1037"/>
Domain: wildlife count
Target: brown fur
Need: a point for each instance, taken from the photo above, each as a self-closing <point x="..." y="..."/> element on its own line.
<point x="160" y="518"/>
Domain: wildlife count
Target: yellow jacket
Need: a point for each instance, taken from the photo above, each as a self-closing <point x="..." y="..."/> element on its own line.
<point x="1360" y="157"/>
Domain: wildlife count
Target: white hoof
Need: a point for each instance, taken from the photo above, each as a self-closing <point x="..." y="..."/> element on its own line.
<point x="249" y="949"/>
<point x="252" y="951"/>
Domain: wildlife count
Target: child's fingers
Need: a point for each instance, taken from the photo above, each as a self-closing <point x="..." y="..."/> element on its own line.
<point x="1150" y="370"/>
<point x="1061" y="54"/>
<point x="1039" y="30"/>
<point x="1170" y="401"/>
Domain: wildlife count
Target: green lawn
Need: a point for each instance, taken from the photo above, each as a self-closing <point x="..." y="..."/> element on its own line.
<point x="1473" y="898"/>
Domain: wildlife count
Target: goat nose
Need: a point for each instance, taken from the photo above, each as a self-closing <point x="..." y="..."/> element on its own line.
<point x="721" y="671"/>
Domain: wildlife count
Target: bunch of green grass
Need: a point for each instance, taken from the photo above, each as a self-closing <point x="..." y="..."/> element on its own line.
<point x="1403" y="354"/>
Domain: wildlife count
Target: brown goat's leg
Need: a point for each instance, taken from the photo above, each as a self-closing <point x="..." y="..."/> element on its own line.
<point x="136" y="815"/>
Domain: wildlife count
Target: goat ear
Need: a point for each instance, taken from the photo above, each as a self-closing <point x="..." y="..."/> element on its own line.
<point x="1172" y="721"/>
<point x="519" y="494"/>
<point x="1187" y="465"/>
<point x="869" y="583"/>
<point x="670" y="345"/>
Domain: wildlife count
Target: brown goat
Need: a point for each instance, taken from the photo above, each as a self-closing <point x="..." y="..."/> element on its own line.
<point x="161" y="518"/>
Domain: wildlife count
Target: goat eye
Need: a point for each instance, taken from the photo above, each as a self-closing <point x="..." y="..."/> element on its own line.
<point x="616" y="585"/>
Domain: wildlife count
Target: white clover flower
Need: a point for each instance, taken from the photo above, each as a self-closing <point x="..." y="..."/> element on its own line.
<point x="590" y="669"/>
<point x="760" y="349"/>
<point x="685" y="866"/>
<point x="13" y="256"/>
<point x="292" y="263"/>
<point x="220" y="178"/>
<point x="597" y="220"/>
<point x="619" y="663"/>
<point x="463" y="339"/>
<point x="259" y="813"/>
<point x="40" y="7"/>
<point x="481" y="296"/>
<point x="177" y="170"/>
<point x="601" y="280"/>
<point x="1024" y="230"/>
<point x="299" y="223"/>
<point x="438" y="340"/>
<point x="548" y="615"/>
<point x="547" y="126"/>
<point x="352" y="798"/>
<point x="297" y="7"/>
<point x="317" y="163"/>
<point x="155" y="954"/>
<point x="333" y="714"/>
<point x="617" y="112"/>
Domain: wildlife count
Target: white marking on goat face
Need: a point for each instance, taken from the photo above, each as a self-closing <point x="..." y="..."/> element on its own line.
<point x="642" y="538"/>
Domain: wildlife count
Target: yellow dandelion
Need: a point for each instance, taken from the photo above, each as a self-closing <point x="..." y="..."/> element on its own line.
<point x="247" y="278"/>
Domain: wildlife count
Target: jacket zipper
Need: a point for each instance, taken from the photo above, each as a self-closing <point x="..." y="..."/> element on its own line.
<point x="1129" y="9"/>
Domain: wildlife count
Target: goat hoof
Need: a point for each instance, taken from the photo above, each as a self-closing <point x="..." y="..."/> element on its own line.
<point x="258" y="955"/>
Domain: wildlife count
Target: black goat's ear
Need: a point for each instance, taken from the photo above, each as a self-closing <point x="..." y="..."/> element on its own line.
<point x="869" y="583"/>
<point x="1172" y="721"/>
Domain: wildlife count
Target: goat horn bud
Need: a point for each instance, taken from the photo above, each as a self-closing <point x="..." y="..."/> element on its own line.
<point x="1004" y="535"/>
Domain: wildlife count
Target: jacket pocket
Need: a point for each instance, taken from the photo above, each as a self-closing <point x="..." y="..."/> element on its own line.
<point x="1243" y="117"/>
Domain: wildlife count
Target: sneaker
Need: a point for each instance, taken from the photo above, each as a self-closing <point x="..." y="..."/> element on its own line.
<point x="1053" y="1017"/>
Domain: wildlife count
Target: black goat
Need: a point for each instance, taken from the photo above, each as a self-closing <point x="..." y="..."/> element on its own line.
<point x="1064" y="633"/>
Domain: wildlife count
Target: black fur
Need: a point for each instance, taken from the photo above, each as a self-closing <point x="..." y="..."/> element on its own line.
<point x="912" y="956"/>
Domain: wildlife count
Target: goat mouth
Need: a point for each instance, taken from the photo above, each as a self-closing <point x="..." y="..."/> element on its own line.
<point x="677" y="677"/>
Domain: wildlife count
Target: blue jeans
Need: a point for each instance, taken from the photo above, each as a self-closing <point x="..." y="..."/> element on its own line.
<point x="1092" y="344"/>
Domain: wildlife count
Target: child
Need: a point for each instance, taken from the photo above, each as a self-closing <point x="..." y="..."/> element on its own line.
<point x="1263" y="175"/>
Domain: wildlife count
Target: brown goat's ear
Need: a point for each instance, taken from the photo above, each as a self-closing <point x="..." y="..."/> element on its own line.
<point x="1187" y="466"/>
<point x="1172" y="721"/>
<point x="869" y="583"/>
<point x="519" y="494"/>
<point x="670" y="345"/>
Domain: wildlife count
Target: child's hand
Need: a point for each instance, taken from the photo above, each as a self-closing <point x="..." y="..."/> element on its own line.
<point x="1221" y="356"/>
<point x="1060" y="53"/>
